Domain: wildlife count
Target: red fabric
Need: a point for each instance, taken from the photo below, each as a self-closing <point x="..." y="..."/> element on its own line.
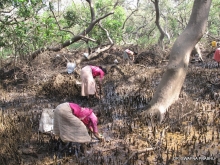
<point x="86" y="115"/>
<point x="96" y="71"/>
<point x="217" y="55"/>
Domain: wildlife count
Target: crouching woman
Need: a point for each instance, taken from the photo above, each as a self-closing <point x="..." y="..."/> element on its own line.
<point x="72" y="121"/>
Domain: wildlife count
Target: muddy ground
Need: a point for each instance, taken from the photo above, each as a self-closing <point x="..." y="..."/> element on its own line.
<point x="189" y="134"/>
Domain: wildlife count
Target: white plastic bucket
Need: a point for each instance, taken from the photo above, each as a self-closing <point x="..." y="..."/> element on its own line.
<point x="70" y="67"/>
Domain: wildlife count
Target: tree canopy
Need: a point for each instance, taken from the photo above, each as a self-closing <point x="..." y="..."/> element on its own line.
<point x="26" y="26"/>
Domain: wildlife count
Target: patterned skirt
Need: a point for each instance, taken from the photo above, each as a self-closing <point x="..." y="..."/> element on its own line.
<point x="68" y="127"/>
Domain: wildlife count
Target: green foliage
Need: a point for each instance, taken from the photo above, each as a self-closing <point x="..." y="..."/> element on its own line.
<point x="214" y="17"/>
<point x="47" y="31"/>
<point x="144" y="41"/>
<point x="29" y="27"/>
<point x="25" y="12"/>
<point x="76" y="17"/>
<point x="113" y="24"/>
<point x="2" y="43"/>
<point x="174" y="16"/>
<point x="71" y="17"/>
<point x="103" y="6"/>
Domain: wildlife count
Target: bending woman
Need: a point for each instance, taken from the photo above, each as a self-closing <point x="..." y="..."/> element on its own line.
<point x="88" y="73"/>
<point x="71" y="120"/>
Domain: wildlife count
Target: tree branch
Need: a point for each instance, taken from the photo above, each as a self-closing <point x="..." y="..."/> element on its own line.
<point x="9" y="11"/>
<point x="162" y="33"/>
<point x="76" y="37"/>
<point x="57" y="21"/>
<point x="131" y="14"/>
<point x="129" y="17"/>
<point x="87" y="38"/>
<point x="107" y="33"/>
<point x="92" y="11"/>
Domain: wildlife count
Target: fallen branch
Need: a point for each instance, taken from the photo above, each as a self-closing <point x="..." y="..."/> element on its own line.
<point x="93" y="54"/>
<point x="87" y="38"/>
<point x="140" y="65"/>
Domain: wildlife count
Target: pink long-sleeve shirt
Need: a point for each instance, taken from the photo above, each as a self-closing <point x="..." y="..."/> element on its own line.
<point x="96" y="71"/>
<point x="86" y="115"/>
<point x="216" y="56"/>
<point x="129" y="52"/>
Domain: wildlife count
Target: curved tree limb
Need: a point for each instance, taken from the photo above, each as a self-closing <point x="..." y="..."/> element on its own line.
<point x="172" y="80"/>
<point x="106" y="47"/>
<point x="130" y="15"/>
<point x="107" y="33"/>
<point x="162" y="33"/>
<point x="78" y="61"/>
<point x="88" y="39"/>
<point x="98" y="50"/>
<point x="7" y="11"/>
<point x="92" y="11"/>
<point x="57" y="21"/>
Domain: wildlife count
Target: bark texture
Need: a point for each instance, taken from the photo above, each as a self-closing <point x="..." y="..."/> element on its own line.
<point x="172" y="80"/>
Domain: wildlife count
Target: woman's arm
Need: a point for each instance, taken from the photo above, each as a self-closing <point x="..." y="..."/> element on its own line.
<point x="99" y="136"/>
<point x="94" y="128"/>
<point x="96" y="134"/>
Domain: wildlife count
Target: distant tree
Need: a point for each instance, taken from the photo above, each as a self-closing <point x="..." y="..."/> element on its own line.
<point x="32" y="27"/>
<point x="17" y="19"/>
<point x="157" y="22"/>
<point x="213" y="30"/>
<point x="82" y="35"/>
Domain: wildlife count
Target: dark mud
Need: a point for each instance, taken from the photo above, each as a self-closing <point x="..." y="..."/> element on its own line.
<point x="190" y="130"/>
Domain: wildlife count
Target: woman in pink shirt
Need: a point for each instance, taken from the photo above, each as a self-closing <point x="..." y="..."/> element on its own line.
<point x="71" y="120"/>
<point x="88" y="73"/>
<point x="126" y="55"/>
<point x="216" y="56"/>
